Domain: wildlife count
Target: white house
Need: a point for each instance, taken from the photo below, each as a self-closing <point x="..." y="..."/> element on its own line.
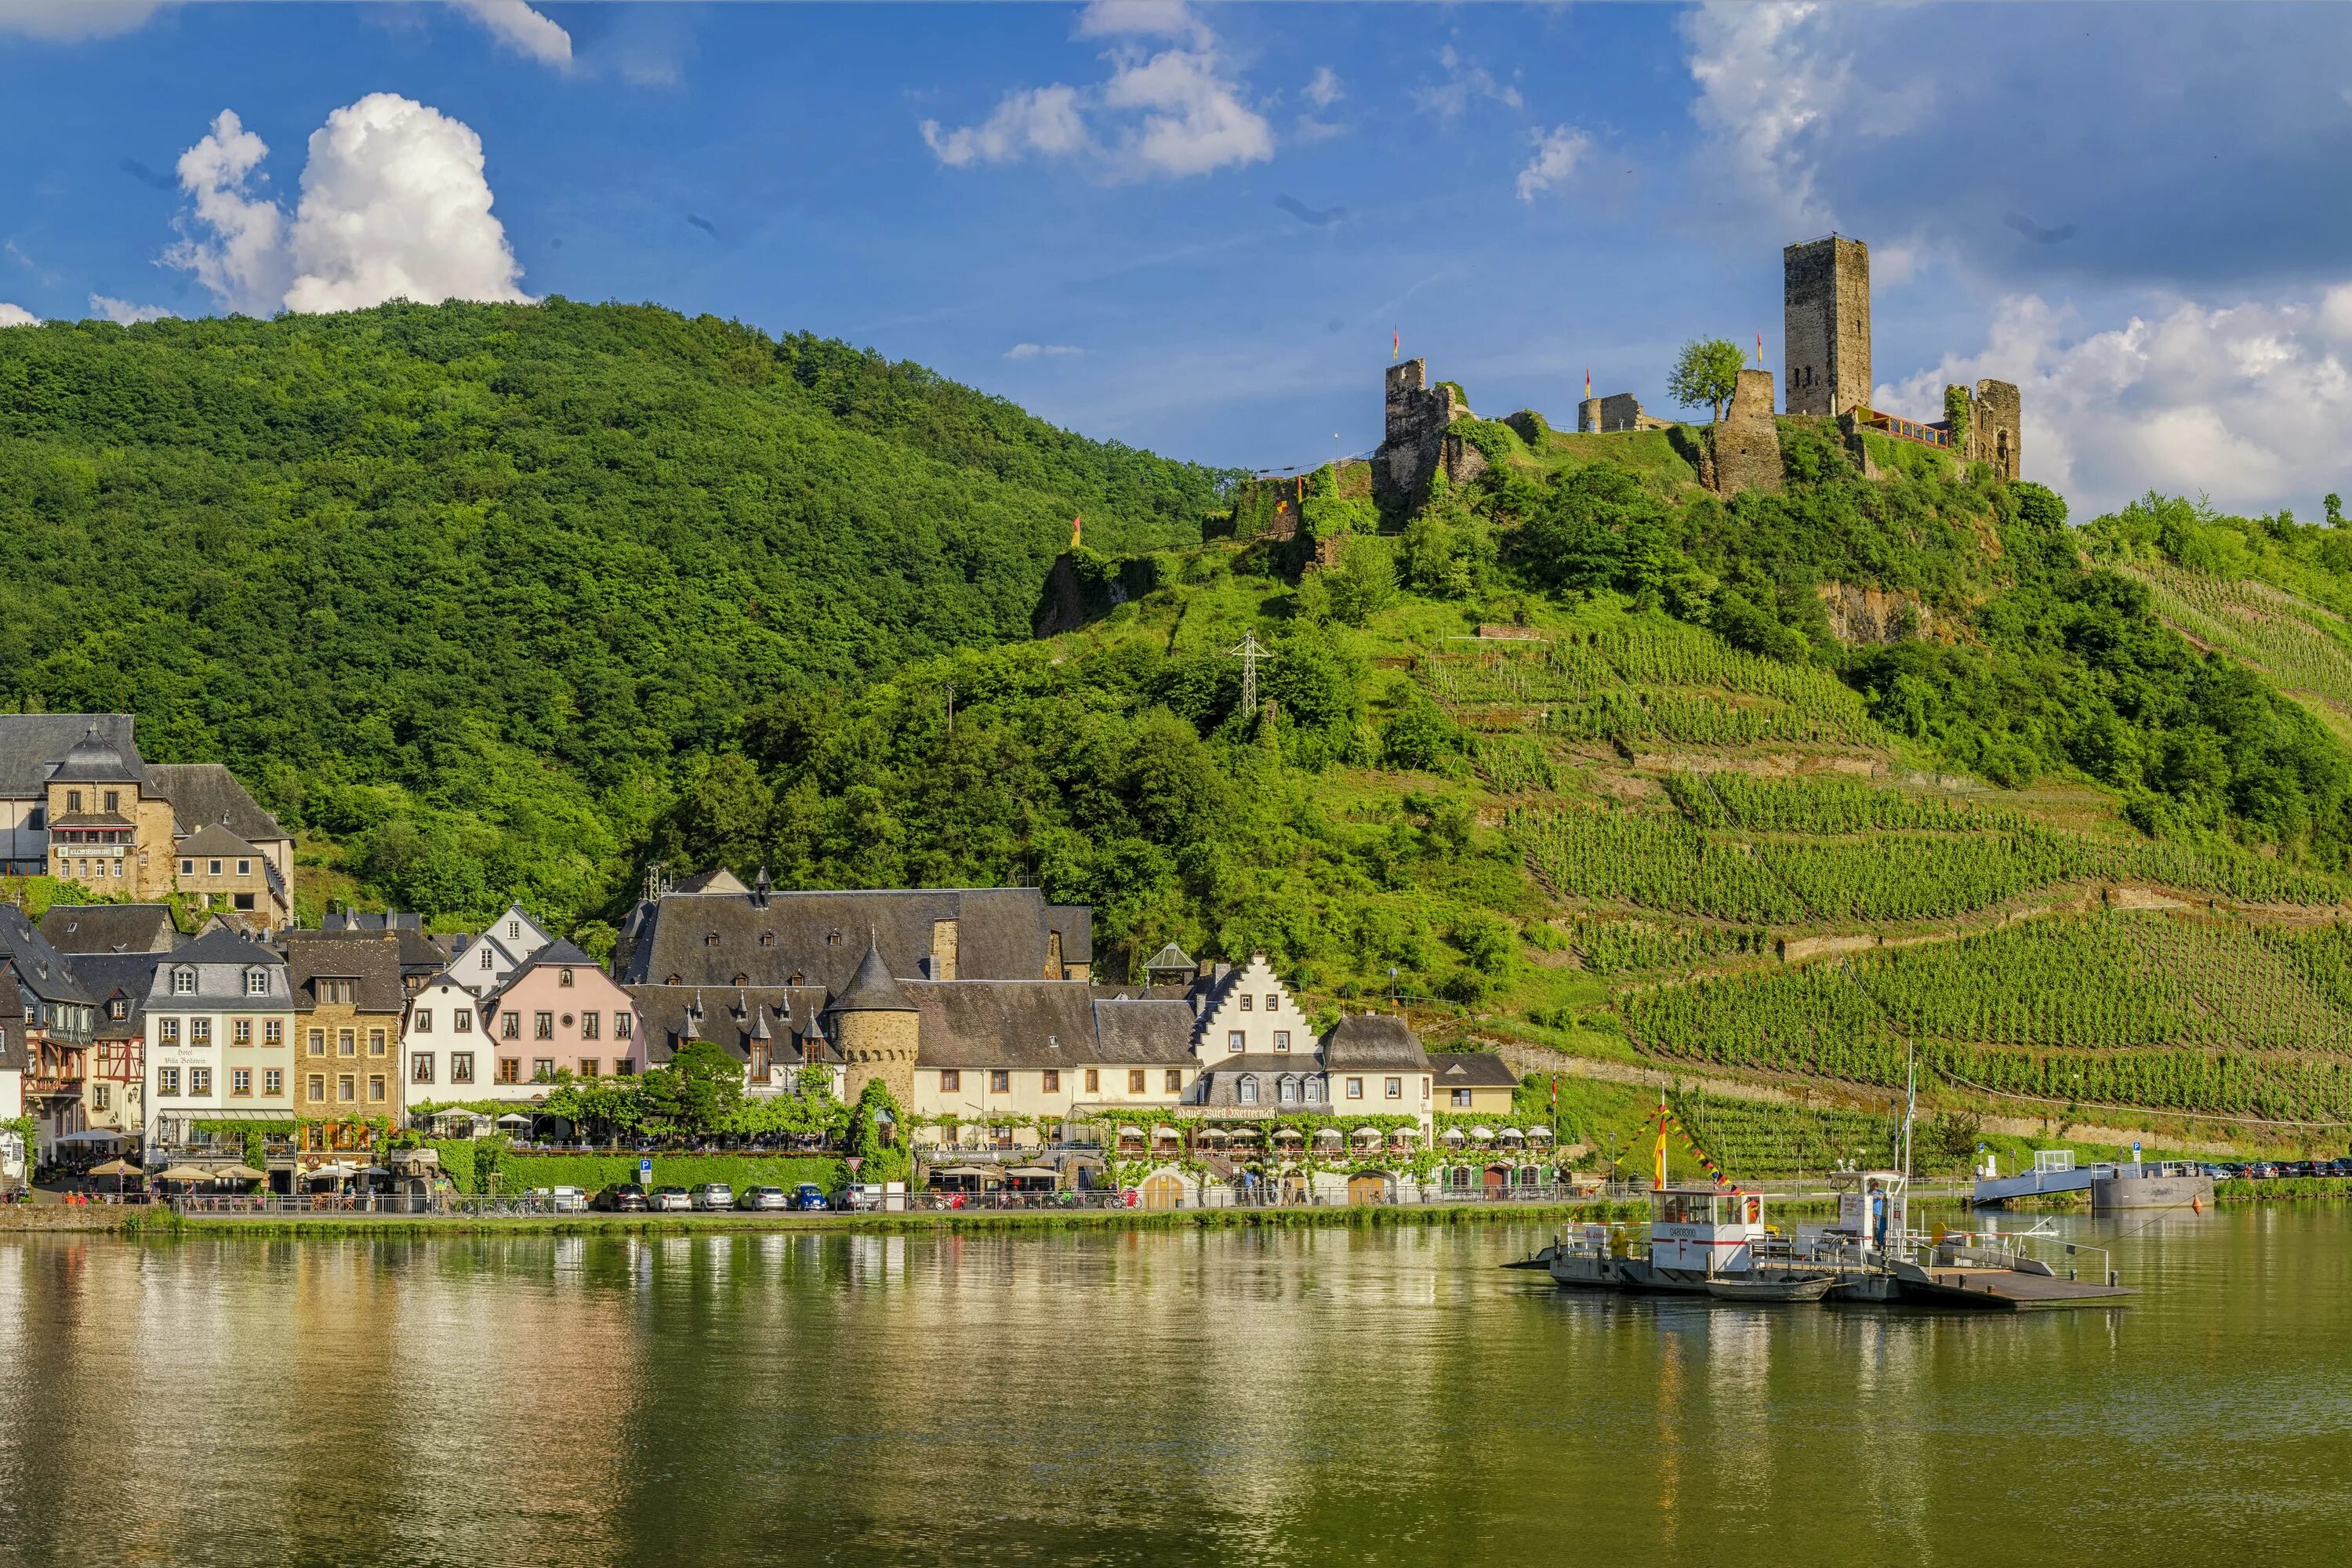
<point x="220" y="1038"/>
<point x="483" y="961"/>
<point x="444" y="1049"/>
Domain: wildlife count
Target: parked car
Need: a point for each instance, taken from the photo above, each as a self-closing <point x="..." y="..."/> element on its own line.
<point x="622" y="1197"/>
<point x="714" y="1196"/>
<point x="567" y="1200"/>
<point x="668" y="1200"/>
<point x="807" y="1196"/>
<point x="762" y="1198"/>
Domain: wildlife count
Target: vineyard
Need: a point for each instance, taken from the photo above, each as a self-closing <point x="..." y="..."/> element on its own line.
<point x="1628" y="947"/>
<point x="2299" y="645"/>
<point x="1758" y="1138"/>
<point x="2166" y="1012"/>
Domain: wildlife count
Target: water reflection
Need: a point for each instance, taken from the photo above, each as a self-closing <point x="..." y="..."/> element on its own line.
<point x="1360" y="1397"/>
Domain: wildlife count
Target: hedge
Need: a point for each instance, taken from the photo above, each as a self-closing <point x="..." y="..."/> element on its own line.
<point x="593" y="1173"/>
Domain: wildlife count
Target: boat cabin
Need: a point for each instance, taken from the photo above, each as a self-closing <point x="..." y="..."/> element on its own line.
<point x="1705" y="1229"/>
<point x="1870" y="1203"/>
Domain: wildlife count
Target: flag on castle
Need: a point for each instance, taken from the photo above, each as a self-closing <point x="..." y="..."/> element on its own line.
<point x="1077" y="528"/>
<point x="1760" y="350"/>
<point x="1396" y="343"/>
<point x="1588" y="383"/>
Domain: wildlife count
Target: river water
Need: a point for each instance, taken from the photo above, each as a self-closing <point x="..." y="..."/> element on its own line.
<point x="1227" y="1396"/>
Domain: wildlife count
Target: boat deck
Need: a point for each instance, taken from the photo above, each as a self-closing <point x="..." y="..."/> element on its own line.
<point x="2009" y="1289"/>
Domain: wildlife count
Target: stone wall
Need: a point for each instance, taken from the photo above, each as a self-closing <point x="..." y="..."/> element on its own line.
<point x="1416" y="443"/>
<point x="1994" y="429"/>
<point x="1743" y="448"/>
<point x="1826" y="325"/>
<point x="1618" y="411"/>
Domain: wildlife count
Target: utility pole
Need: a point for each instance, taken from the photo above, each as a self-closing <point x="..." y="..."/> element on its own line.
<point x="1249" y="652"/>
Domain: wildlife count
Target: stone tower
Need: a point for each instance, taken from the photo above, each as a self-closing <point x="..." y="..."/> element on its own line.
<point x="1826" y="325"/>
<point x="877" y="1031"/>
<point x="1996" y="431"/>
<point x="1414" y="444"/>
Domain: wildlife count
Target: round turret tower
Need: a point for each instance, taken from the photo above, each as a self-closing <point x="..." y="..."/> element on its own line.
<point x="876" y="1030"/>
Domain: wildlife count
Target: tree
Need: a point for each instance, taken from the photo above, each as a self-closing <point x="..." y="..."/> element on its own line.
<point x="697" y="1095"/>
<point x="1707" y="371"/>
<point x="1956" y="415"/>
<point x="877" y="1134"/>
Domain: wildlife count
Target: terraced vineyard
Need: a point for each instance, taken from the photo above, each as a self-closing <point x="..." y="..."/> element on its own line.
<point x="2169" y="1012"/>
<point x="2301" y="646"/>
<point x="1759" y="1138"/>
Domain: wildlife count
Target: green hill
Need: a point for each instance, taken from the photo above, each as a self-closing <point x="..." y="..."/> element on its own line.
<point x="458" y="586"/>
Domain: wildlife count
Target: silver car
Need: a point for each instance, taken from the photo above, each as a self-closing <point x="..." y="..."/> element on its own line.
<point x="763" y="1198"/>
<point x="664" y="1200"/>
<point x="714" y="1196"/>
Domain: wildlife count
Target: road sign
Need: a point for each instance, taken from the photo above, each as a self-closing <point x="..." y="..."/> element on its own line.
<point x="646" y="1170"/>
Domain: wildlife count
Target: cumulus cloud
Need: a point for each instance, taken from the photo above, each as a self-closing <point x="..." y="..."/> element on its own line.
<point x="1557" y="153"/>
<point x="1035" y="351"/>
<point x="2245" y="403"/>
<point x="124" y="314"/>
<point x="16" y="316"/>
<point x="394" y="206"/>
<point x="1174" y="112"/>
<point x="1466" y="82"/>
<point x="519" y="27"/>
<point x="67" y="21"/>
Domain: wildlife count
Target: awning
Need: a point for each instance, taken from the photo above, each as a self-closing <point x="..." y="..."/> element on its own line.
<point x="1046" y="1172"/>
<point x="94" y="1135"/>
<point x="963" y="1171"/>
<point x="337" y="1169"/>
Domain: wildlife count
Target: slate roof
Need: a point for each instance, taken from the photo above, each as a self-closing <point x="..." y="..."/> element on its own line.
<point x="213" y="948"/>
<point x="1380" y="1041"/>
<point x="823" y="935"/>
<point x="1144" y="1032"/>
<point x="33" y="744"/>
<point x="110" y="928"/>
<point x="1296" y="1063"/>
<point x="372" y="961"/>
<point x="871" y="989"/>
<point x="217" y="842"/>
<point x="128" y="976"/>
<point x="729" y="1017"/>
<point x="41" y="967"/>
<point x="560" y="952"/>
<point x="1025" y="1024"/>
<point x="99" y="758"/>
<point x="340" y="921"/>
<point x="13" y="1054"/>
<point x="1075" y="922"/>
<point x="1472" y="1069"/>
<point x="207" y="791"/>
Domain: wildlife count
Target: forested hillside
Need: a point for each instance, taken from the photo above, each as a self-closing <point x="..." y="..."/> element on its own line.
<point x="458" y="586"/>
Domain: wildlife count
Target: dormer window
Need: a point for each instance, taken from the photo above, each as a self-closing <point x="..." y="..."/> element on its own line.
<point x="118" y="1009"/>
<point x="741" y="979"/>
<point x="563" y="977"/>
<point x="833" y="939"/>
<point x="767" y="938"/>
<point x="184" y="982"/>
<point x="257" y="982"/>
<point x="797" y="978"/>
<point x="710" y="939"/>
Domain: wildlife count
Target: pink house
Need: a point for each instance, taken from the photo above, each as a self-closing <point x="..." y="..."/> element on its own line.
<point x="557" y="1012"/>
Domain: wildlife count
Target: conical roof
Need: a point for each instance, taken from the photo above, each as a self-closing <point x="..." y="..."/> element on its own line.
<point x="871" y="989"/>
<point x="94" y="760"/>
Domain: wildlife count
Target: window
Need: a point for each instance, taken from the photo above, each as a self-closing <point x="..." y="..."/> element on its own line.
<point x="514" y="930"/>
<point x="1461" y="1100"/>
<point x="461" y="1022"/>
<point x="114" y="800"/>
<point x="421" y="1021"/>
<point x="1247" y="1090"/>
<point x="236" y="900"/>
<point x="461" y="1067"/>
<point x="187" y="868"/>
<point x="1394" y="1088"/>
<point x="212" y="867"/>
<point x="240" y="1080"/>
<point x="509" y="1069"/>
<point x="375" y="1087"/>
<point x="950" y="1081"/>
<point x="199" y="1080"/>
<point x="240" y="1032"/>
<point x="710" y="939"/>
<point x="347" y="1042"/>
<point x="587" y="1066"/>
<point x="257" y="982"/>
<point x="620" y="1025"/>
<point x="118" y="1009"/>
<point x="98" y="1097"/>
<point x="1355" y="1089"/>
<point x="167" y="1081"/>
<point x="542" y="1025"/>
<point x="1134" y="1080"/>
<point x="1285" y="1091"/>
<point x="1094" y="1080"/>
<point x="590" y="1024"/>
<point x="1236" y="1041"/>
<point x="273" y="1080"/>
<point x="1314" y="1092"/>
<point x="542" y="1069"/>
<point x="1282" y="1039"/>
<point x="73" y="800"/>
<point x="347" y="1088"/>
<point x="184" y="983"/>
<point x="318" y="1042"/>
<point x="375" y="1042"/>
<point x="767" y="938"/>
<point x="486" y="955"/>
<point x="1053" y="1081"/>
<point x="510" y="1024"/>
<point x="563" y="977"/>
<point x="420" y="1068"/>
<point x="1175" y="1080"/>
<point x="244" y="867"/>
<point x="273" y="1031"/>
<point x="1246" y="1000"/>
<point x="625" y="1066"/>
<point x="999" y="1081"/>
<point x="200" y="1031"/>
<point x="169" y="1033"/>
<point x="318" y="1087"/>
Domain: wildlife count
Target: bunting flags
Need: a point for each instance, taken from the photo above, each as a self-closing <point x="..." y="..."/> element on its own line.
<point x="1666" y="1122"/>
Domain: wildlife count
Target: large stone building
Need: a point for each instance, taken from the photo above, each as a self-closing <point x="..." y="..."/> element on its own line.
<point x="78" y="803"/>
<point x="348" y="1003"/>
<point x="1825" y="325"/>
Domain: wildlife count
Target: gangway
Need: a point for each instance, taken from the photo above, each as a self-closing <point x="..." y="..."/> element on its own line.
<point x="2055" y="1171"/>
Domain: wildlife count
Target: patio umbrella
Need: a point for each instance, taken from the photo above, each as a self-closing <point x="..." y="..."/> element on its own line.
<point x="514" y="1119"/>
<point x="240" y="1173"/>
<point x="183" y="1173"/>
<point x="117" y="1168"/>
<point x="94" y="1135"/>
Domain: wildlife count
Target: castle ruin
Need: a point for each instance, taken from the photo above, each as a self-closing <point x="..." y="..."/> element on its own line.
<point x="1825" y="325"/>
<point x="1416" y="443"/>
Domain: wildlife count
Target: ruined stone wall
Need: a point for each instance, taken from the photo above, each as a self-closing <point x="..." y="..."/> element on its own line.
<point x="1994" y="429"/>
<point x="1619" y="411"/>
<point x="1743" y="448"/>
<point x="1416" y="441"/>
<point x="1826" y="325"/>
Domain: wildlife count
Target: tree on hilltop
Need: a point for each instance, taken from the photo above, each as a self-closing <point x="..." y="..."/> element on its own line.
<point x="1707" y="371"/>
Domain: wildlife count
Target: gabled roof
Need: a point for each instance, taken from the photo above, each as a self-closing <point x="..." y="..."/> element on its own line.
<point x="1378" y="1041"/>
<point x="214" y="840"/>
<point x="110" y="928"/>
<point x="41" y="968"/>
<point x="719" y="881"/>
<point x="207" y="791"/>
<point x="871" y="989"/>
<point x="128" y="976"/>
<point x="1022" y="1024"/>
<point x="33" y="744"/>
<point x="1472" y="1069"/>
<point x="1144" y="1031"/>
<point x="217" y="944"/>
<point x="708" y="938"/>
<point x="560" y="953"/>
<point x="730" y="1019"/>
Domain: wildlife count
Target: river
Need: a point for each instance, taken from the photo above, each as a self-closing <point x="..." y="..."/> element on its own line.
<point x="1230" y="1397"/>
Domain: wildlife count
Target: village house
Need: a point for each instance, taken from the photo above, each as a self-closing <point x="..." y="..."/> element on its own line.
<point x="220" y="1020"/>
<point x="442" y="1046"/>
<point x="1476" y="1082"/>
<point x="347" y="1002"/>
<point x="557" y="1012"/>
<point x="482" y="962"/>
<point x="78" y="803"/>
<point x="16" y="1158"/>
<point x="421" y="957"/>
<point x="59" y="1019"/>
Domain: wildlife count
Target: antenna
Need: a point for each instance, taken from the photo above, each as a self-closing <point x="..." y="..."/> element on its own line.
<point x="1249" y="652"/>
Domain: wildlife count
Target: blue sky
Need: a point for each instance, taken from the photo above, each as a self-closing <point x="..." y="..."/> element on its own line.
<point x="1194" y="229"/>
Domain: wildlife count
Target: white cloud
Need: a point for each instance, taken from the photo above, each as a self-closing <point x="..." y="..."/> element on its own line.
<point x="1033" y="351"/>
<point x="66" y="21"/>
<point x="394" y="207"/>
<point x="1044" y="120"/>
<point x="124" y="314"/>
<point x="1558" y="153"/>
<point x="1465" y="82"/>
<point x="1323" y="90"/>
<point x="527" y="32"/>
<point x="16" y="316"/>
<point x="2245" y="403"/>
<point x="1176" y="111"/>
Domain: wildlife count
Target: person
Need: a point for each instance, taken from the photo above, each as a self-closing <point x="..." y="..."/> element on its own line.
<point x="1878" y="1219"/>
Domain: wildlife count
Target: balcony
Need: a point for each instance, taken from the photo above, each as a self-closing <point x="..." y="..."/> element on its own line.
<point x="55" y="1084"/>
